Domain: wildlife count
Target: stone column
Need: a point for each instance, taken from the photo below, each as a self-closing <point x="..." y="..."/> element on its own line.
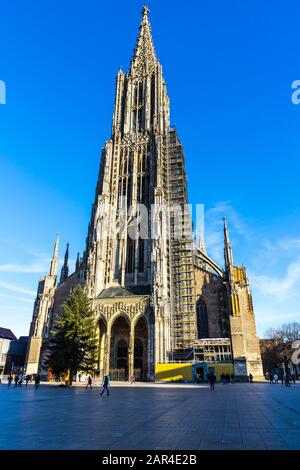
<point x="131" y="351"/>
<point x="98" y="337"/>
<point x="106" y="365"/>
<point x="102" y="344"/>
<point x="136" y="261"/>
<point x="150" y="340"/>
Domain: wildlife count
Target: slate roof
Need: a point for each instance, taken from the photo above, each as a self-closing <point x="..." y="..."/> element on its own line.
<point x="5" y="333"/>
<point x="129" y="291"/>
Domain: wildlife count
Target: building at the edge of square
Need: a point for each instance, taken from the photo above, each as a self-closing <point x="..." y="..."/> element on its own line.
<point x="164" y="309"/>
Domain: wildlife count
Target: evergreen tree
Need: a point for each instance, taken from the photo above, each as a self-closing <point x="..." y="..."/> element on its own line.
<point x="74" y="344"/>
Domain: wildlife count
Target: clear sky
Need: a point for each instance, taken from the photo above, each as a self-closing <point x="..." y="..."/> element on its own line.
<point x="229" y="67"/>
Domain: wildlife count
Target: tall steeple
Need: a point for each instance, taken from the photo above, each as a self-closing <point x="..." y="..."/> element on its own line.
<point x="54" y="261"/>
<point x="143" y="163"/>
<point x="227" y="249"/>
<point x="201" y="245"/>
<point x="77" y="263"/>
<point x="65" y="269"/>
<point x="144" y="51"/>
<point x="141" y="101"/>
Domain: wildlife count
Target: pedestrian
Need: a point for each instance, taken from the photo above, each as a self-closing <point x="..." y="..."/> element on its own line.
<point x="20" y="381"/>
<point x="271" y="378"/>
<point x="232" y="378"/>
<point x="212" y="380"/>
<point x="16" y="380"/>
<point x="275" y="378"/>
<point x="287" y="380"/>
<point x="9" y="379"/>
<point x="132" y="379"/>
<point x="250" y="378"/>
<point x="281" y="377"/>
<point x="89" y="382"/>
<point x="293" y="377"/>
<point x="105" y="385"/>
<point x="37" y="380"/>
<point x="27" y="379"/>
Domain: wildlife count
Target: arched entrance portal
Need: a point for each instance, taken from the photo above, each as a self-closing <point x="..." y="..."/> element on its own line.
<point x="120" y="334"/>
<point x="102" y="335"/>
<point x="141" y="350"/>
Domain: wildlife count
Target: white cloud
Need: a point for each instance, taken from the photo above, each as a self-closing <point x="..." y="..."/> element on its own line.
<point x="213" y="234"/>
<point x="289" y="244"/>
<point x="265" y="317"/>
<point x="16" y="288"/>
<point x="19" y="299"/>
<point x="279" y="288"/>
<point x="24" y="268"/>
<point x="10" y="307"/>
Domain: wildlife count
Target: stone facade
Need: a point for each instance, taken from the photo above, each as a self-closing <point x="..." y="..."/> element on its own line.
<point x="153" y="294"/>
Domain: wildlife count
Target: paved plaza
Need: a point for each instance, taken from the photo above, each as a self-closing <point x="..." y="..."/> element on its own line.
<point x="151" y="416"/>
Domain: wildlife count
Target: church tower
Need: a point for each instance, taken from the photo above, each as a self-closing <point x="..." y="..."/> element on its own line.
<point x="142" y="165"/>
<point x="244" y="341"/>
<point x="155" y="296"/>
<point x="40" y="318"/>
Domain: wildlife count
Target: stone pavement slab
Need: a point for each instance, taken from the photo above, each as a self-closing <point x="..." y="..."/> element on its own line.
<point x="151" y="416"/>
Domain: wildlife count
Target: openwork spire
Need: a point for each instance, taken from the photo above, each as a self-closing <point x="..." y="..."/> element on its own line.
<point x="227" y="247"/>
<point x="54" y="261"/>
<point x="144" y="52"/>
<point x="201" y="240"/>
<point x="65" y="268"/>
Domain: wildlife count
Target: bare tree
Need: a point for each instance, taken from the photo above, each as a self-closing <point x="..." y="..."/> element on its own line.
<point x="276" y="348"/>
<point x="287" y="333"/>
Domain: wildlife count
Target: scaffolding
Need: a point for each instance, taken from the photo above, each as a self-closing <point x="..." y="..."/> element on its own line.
<point x="210" y="350"/>
<point x="182" y="289"/>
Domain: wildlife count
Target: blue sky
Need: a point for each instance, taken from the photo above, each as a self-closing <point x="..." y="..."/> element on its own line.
<point x="229" y="67"/>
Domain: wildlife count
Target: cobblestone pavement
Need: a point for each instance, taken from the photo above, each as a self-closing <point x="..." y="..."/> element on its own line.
<point x="234" y="416"/>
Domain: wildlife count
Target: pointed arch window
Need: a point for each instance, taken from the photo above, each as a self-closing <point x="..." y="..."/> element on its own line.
<point x="141" y="255"/>
<point x="130" y="260"/>
<point x="202" y="320"/>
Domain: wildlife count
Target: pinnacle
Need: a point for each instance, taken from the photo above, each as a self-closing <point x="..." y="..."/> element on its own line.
<point x="144" y="50"/>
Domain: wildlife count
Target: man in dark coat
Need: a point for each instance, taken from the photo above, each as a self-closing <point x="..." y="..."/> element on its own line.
<point x="105" y="385"/>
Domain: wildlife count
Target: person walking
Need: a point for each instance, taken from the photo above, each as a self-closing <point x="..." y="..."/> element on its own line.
<point x="276" y="379"/>
<point x="27" y="379"/>
<point x="212" y="380"/>
<point x="250" y="378"/>
<point x="232" y="378"/>
<point x="281" y="377"/>
<point x="271" y="378"/>
<point x="37" y="381"/>
<point x="287" y="379"/>
<point x="9" y="380"/>
<point x="293" y="377"/>
<point x="16" y="380"/>
<point x="89" y="382"/>
<point x="105" y="385"/>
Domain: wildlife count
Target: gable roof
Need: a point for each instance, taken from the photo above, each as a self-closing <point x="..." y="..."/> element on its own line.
<point x="112" y="292"/>
<point x="5" y="333"/>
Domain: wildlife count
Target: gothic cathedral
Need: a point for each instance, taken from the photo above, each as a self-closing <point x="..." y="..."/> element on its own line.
<point x="158" y="299"/>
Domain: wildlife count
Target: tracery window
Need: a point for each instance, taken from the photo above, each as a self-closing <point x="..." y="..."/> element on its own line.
<point x="202" y="319"/>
